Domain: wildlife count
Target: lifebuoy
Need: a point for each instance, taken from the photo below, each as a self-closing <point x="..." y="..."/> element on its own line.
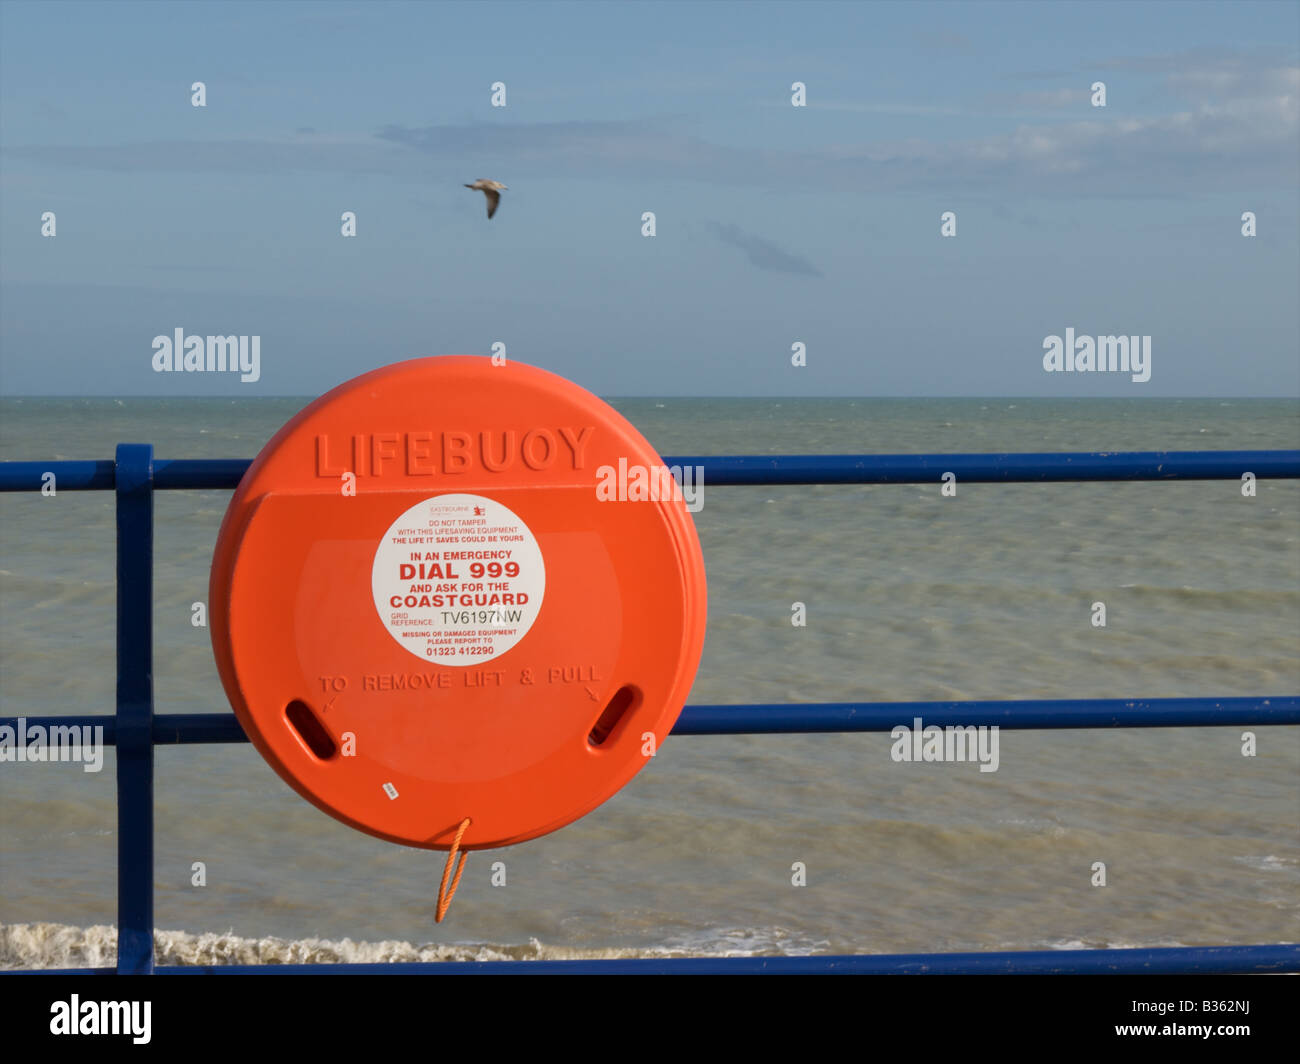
<point x="424" y="609"/>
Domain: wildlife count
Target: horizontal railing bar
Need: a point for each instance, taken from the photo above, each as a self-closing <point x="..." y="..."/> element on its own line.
<point x="1165" y="960"/>
<point x="1017" y="714"/>
<point x="990" y="468"/>
<point x="720" y="470"/>
<point x="170" y="729"/>
<point x="200" y="472"/>
<point x="68" y="476"/>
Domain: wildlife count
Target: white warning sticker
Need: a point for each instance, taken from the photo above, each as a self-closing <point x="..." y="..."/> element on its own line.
<point x="458" y="579"/>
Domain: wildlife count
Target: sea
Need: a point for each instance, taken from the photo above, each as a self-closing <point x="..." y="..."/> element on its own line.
<point x="732" y="845"/>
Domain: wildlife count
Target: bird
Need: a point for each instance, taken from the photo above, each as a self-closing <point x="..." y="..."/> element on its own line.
<point x="492" y="190"/>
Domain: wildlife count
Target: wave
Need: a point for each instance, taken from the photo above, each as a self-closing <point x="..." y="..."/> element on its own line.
<point x="49" y="945"/>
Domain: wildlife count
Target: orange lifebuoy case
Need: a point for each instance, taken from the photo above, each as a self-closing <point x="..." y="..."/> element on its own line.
<point x="433" y="598"/>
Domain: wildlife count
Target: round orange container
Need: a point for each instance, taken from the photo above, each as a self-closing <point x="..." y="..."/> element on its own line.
<point x="432" y="600"/>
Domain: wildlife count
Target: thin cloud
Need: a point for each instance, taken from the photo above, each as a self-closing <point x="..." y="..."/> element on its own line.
<point x="763" y="253"/>
<point x="944" y="41"/>
<point x="879" y="108"/>
<point x="1209" y="58"/>
<point x="1240" y="125"/>
<point x="284" y="155"/>
<point x="1042" y="99"/>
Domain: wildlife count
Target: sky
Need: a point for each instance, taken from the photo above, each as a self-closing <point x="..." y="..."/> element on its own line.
<point x="774" y="224"/>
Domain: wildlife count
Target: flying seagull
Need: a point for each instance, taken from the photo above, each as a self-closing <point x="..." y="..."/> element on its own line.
<point x="492" y="190"/>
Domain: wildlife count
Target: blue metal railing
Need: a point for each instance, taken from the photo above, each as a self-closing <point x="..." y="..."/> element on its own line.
<point x="773" y="469"/>
<point x="135" y="474"/>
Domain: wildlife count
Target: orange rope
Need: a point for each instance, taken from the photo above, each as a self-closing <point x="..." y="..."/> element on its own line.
<point x="445" y="895"/>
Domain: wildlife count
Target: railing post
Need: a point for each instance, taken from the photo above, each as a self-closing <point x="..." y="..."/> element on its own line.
<point x="134" y="485"/>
